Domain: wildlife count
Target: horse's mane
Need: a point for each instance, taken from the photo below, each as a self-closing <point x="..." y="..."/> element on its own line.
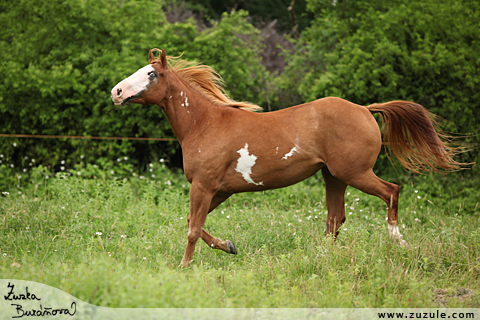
<point x="207" y="81"/>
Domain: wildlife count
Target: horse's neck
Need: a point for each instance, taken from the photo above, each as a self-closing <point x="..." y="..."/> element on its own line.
<point x="185" y="108"/>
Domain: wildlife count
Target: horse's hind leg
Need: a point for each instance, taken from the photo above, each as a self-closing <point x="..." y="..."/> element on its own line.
<point x="210" y="240"/>
<point x="388" y="192"/>
<point x="335" y="202"/>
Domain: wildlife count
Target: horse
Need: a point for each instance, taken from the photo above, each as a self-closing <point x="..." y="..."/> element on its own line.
<point x="228" y="148"/>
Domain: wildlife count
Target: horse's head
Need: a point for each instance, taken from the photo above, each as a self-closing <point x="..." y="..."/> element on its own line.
<point x="144" y="86"/>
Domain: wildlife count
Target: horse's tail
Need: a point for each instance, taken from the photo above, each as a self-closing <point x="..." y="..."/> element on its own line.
<point x="412" y="134"/>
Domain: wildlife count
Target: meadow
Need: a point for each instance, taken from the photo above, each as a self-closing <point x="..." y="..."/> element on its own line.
<point x="115" y="238"/>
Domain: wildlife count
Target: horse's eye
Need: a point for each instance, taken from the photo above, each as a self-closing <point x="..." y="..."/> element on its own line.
<point x="151" y="74"/>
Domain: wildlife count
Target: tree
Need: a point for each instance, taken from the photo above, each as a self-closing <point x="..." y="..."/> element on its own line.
<point x="423" y="51"/>
<point x="61" y="58"/>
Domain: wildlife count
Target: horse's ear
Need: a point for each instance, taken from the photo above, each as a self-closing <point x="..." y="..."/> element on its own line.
<point x="163" y="59"/>
<point x="151" y="57"/>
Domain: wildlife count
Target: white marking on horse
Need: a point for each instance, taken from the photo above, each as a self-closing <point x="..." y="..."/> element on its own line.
<point x="181" y="93"/>
<point x="395" y="234"/>
<point x="137" y="82"/>
<point x="185" y="104"/>
<point x="245" y="164"/>
<point x="277" y="150"/>
<point x="294" y="149"/>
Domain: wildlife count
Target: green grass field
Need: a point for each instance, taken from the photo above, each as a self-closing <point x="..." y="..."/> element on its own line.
<point x="103" y="239"/>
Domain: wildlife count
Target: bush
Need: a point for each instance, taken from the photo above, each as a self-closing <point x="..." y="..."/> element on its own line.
<point x="420" y="51"/>
<point x="62" y="58"/>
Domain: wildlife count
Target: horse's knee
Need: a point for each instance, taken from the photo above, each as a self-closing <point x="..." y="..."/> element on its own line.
<point x="194" y="234"/>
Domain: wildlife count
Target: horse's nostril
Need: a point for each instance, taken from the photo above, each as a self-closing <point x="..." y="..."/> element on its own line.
<point x="119" y="92"/>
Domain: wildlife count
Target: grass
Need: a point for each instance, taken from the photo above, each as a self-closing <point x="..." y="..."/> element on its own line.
<point x="103" y="240"/>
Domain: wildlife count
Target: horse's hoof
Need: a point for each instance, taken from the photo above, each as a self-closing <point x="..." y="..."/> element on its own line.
<point x="231" y="247"/>
<point x="403" y="243"/>
<point x="184" y="264"/>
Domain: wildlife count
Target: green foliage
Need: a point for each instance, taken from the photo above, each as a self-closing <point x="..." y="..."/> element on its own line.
<point x="260" y="11"/>
<point x="62" y="59"/>
<point x="420" y="51"/>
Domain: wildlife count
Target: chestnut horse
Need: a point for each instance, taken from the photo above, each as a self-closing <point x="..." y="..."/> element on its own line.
<point x="229" y="149"/>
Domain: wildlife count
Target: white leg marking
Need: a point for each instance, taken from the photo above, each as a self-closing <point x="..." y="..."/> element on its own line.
<point x="290" y="153"/>
<point x="245" y="164"/>
<point x="395" y="234"/>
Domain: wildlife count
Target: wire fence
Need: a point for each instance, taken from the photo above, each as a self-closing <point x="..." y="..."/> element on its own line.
<point x="39" y="136"/>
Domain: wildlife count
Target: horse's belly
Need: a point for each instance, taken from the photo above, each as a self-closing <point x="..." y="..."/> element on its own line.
<point x="251" y="175"/>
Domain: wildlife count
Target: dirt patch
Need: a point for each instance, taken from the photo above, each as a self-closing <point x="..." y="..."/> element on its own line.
<point x="443" y="296"/>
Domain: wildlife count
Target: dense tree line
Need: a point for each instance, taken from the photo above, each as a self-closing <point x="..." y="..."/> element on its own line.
<point x="59" y="60"/>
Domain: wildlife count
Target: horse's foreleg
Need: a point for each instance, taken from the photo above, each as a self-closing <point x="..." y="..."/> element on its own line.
<point x="210" y="240"/>
<point x="335" y="202"/>
<point x="200" y="200"/>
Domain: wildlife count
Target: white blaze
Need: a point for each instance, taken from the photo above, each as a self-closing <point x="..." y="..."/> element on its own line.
<point x="245" y="164"/>
<point x="290" y="153"/>
<point x="138" y="81"/>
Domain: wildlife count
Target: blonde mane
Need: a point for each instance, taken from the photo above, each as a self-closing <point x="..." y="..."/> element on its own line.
<point x="207" y="81"/>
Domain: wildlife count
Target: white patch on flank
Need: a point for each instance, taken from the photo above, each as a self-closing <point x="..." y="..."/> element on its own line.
<point x="395" y="234"/>
<point x="290" y="153"/>
<point x="245" y="164"/>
